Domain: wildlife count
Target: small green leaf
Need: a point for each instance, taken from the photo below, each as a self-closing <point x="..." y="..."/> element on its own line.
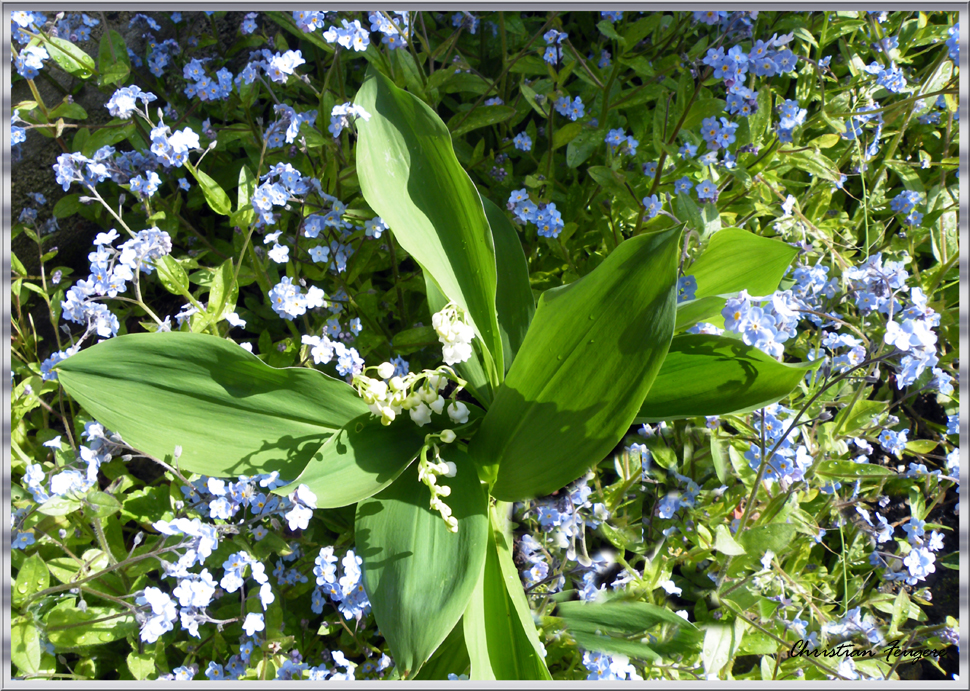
<point x="32" y="577"/>
<point x="25" y="650"/>
<point x="70" y="57"/>
<point x="59" y="506"/>
<point x="921" y="446"/>
<point x="718" y="646"/>
<point x="852" y="470"/>
<point x="719" y="458"/>
<point x="72" y="628"/>
<point x="113" y="60"/>
<point x="617" y="615"/>
<point x="215" y="196"/>
<point x="725" y="543"/>
<point x="172" y="275"/>
<point x="101" y="504"/>
<point x="222" y="292"/>
<point x="775" y="536"/>
<point x="483" y="116"/>
<point x="141" y="665"/>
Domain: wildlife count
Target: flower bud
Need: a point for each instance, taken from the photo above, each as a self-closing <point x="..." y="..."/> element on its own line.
<point x="448" y="436"/>
<point x="386" y="370"/>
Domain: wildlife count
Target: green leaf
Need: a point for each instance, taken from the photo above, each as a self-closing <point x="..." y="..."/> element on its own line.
<point x="483" y="116"/>
<point x="725" y="543"/>
<point x="719" y="458"/>
<point x="701" y="110"/>
<point x="114" y="66"/>
<point x="614" y="183"/>
<point x="582" y="147"/>
<point x="410" y="176"/>
<point x="222" y="292"/>
<point x="70" y="57"/>
<point x="72" y="628"/>
<point x="107" y="135"/>
<point x="359" y="461"/>
<point x="514" y="301"/>
<point x="451" y="657"/>
<point x="617" y="615"/>
<point x="141" y="665"/>
<point x="59" y="506"/>
<point x="172" y="275"/>
<point x="231" y="413"/>
<point x="215" y="196"/>
<point x="499" y="630"/>
<point x="921" y="445"/>
<point x="716" y="375"/>
<point x="101" y="504"/>
<point x="418" y="575"/>
<point x="587" y="362"/>
<point x="852" y="470"/>
<point x="68" y="110"/>
<point x="737" y="260"/>
<point x="25" y="649"/>
<point x="853" y="418"/>
<point x="32" y="577"/>
<point x="615" y="646"/>
<point x="774" y="536"/>
<point x="718" y="646"/>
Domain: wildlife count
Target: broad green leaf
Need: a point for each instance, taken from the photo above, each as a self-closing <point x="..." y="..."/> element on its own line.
<point x="499" y="630"/>
<point x="359" y="461"/>
<point x="718" y="647"/>
<point x="451" y="657"/>
<point x="716" y="375"/>
<point x="774" y="536"/>
<point x="587" y="362"/>
<point x="25" y="649"/>
<point x="738" y="260"/>
<point x="483" y="116"/>
<point x="418" y="575"/>
<point x="68" y="110"/>
<point x="215" y="196"/>
<point x="617" y="615"/>
<point x="70" y="57"/>
<point x="32" y="577"/>
<point x="514" y="301"/>
<point x="231" y="413"/>
<point x="410" y="176"/>
<point x="72" y="628"/>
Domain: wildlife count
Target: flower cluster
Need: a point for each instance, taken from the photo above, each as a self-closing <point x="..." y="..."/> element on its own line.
<point x="346" y="592"/>
<point x="547" y="218"/>
<point x="342" y="115"/>
<point x="763" y="322"/>
<point x="454" y="332"/>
